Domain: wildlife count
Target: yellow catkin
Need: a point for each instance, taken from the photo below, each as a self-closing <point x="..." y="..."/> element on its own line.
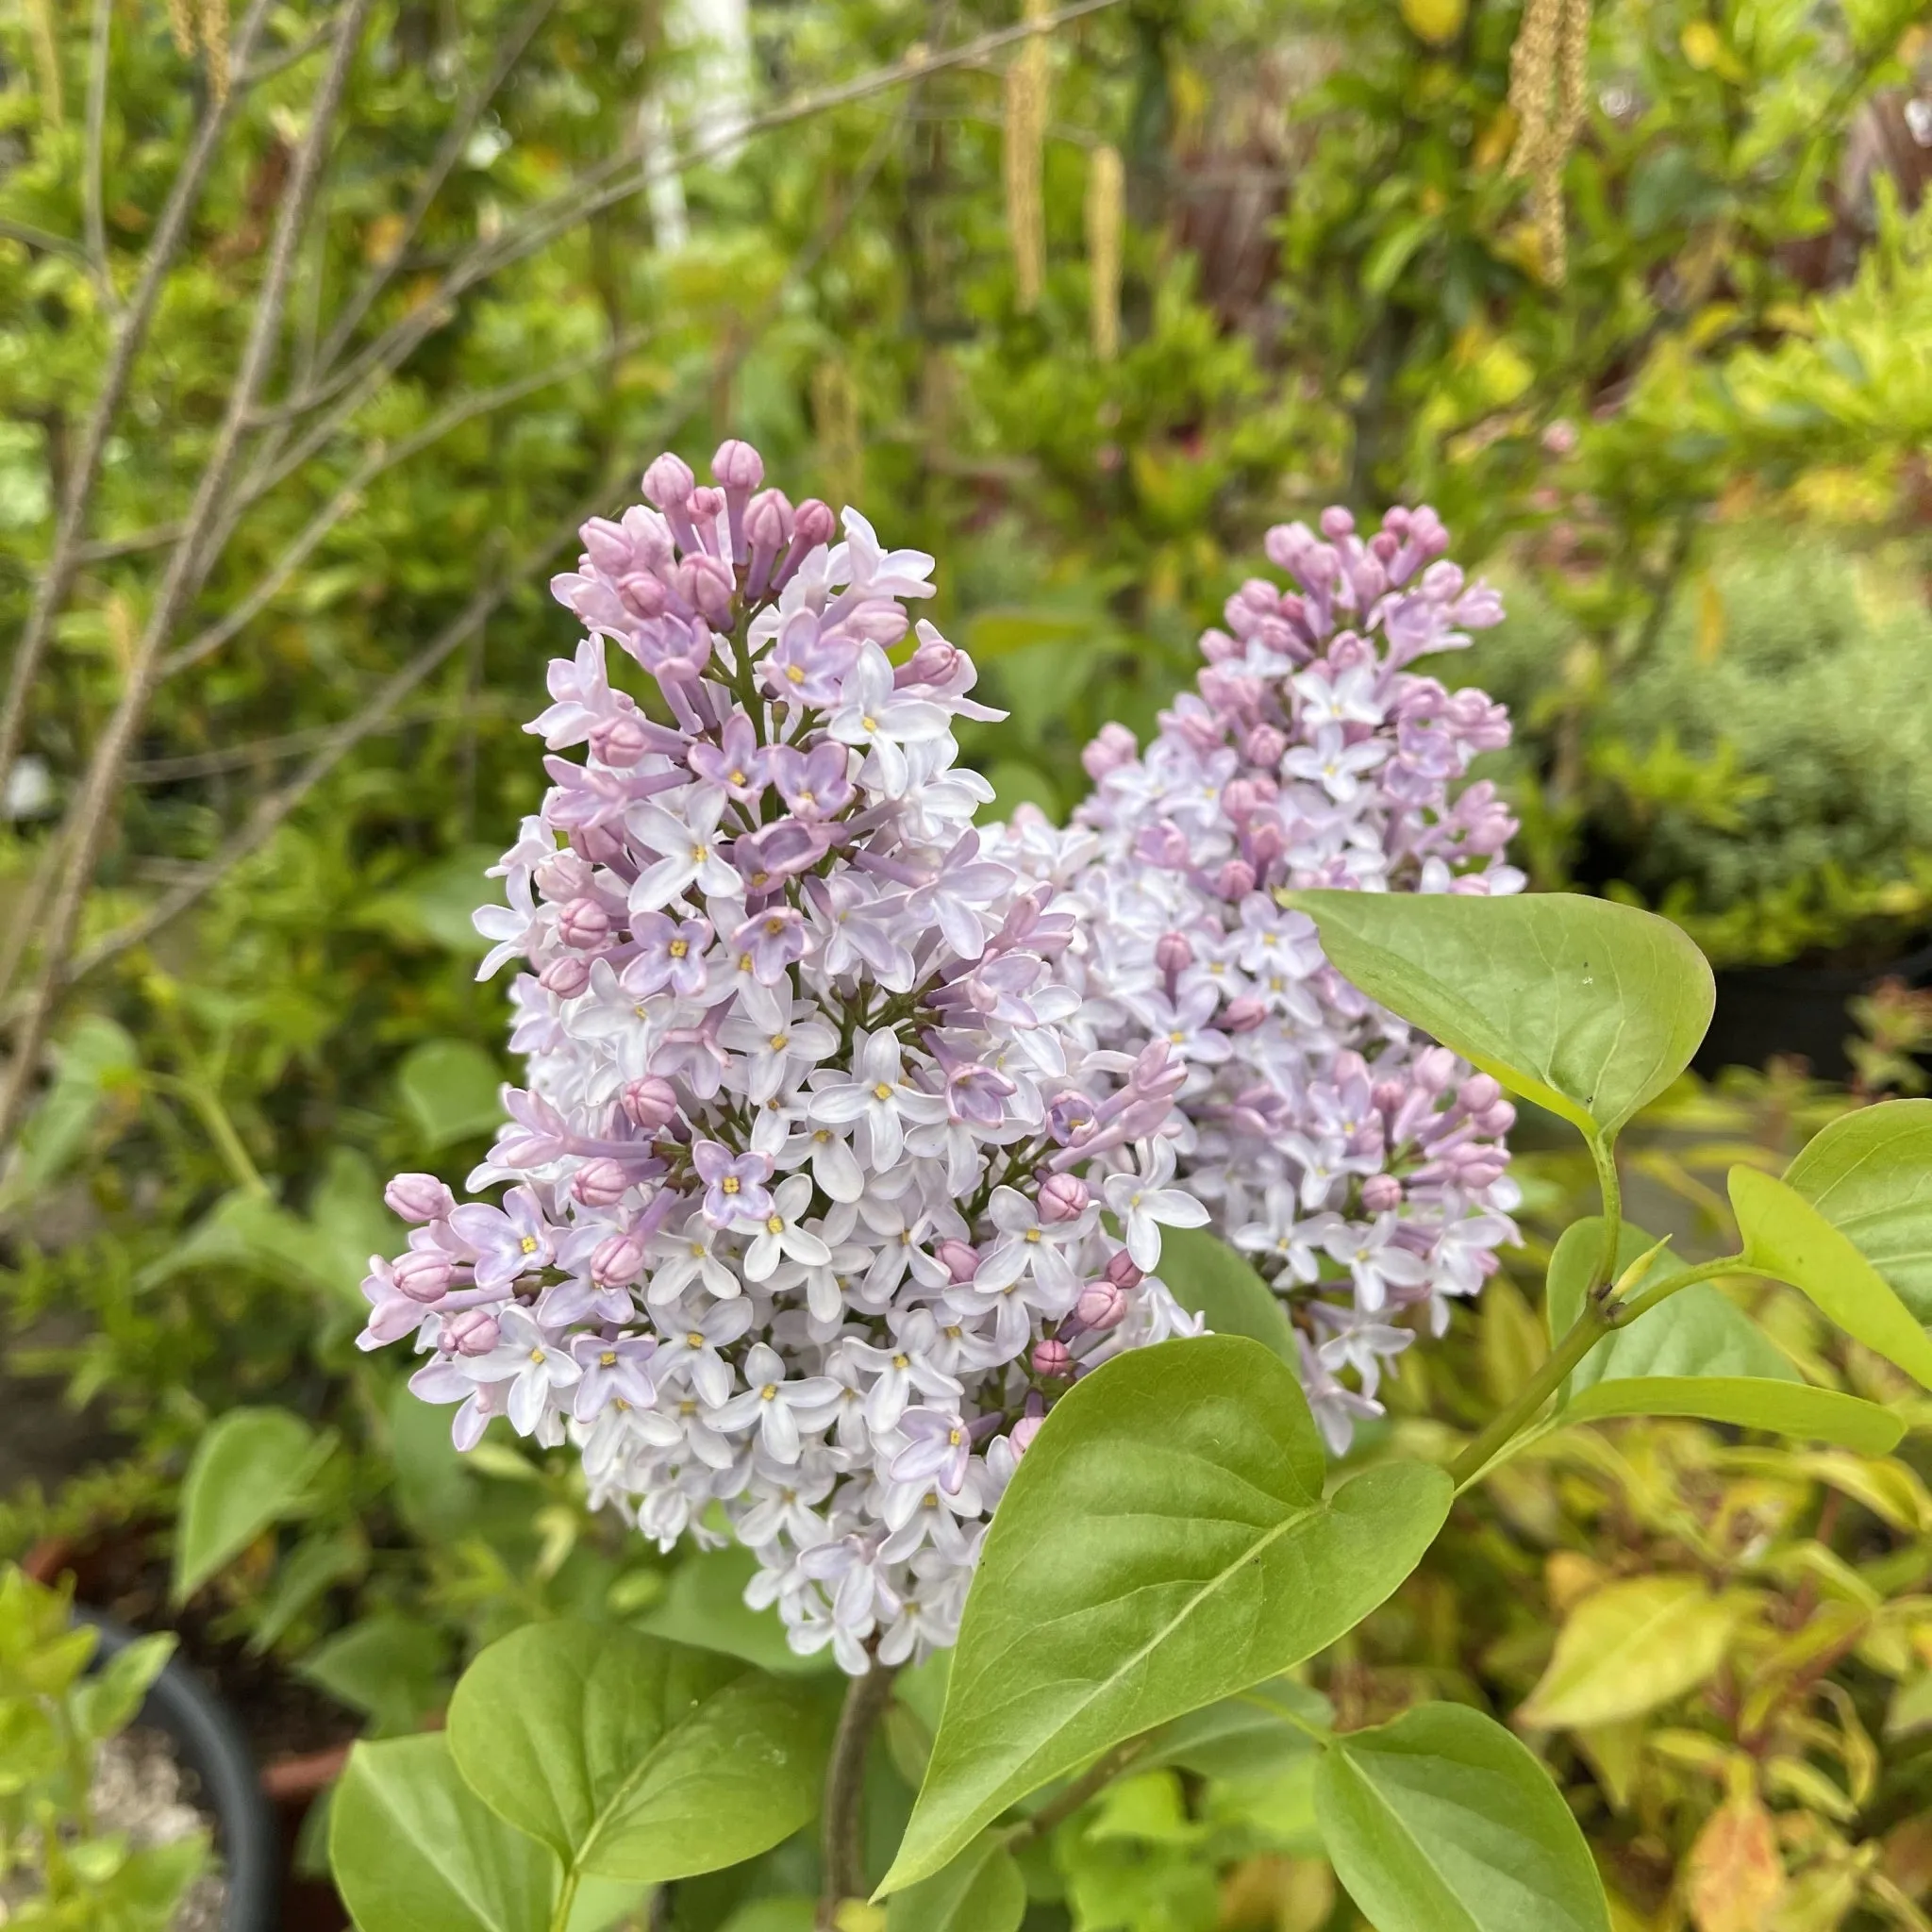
<point x="1105" y="186"/>
<point x="1026" y="142"/>
<point x="214" y="39"/>
<point x="181" y="27"/>
<point x="835" y="417"/>
<point x="1549" y="93"/>
<point x="40" y="20"/>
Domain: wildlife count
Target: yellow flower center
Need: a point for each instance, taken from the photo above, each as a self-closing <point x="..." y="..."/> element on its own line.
<point x="795" y="673"/>
<point x="882" y="1091"/>
<point x="528" y="1245"/>
<point x="729" y="1184"/>
<point x="768" y="1392"/>
<point x="774" y="1224"/>
<point x="870" y="723"/>
<point x="678" y="948"/>
<point x="607" y="1360"/>
<point x="694" y="1339"/>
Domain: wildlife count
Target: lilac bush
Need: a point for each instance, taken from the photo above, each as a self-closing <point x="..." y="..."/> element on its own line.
<point x="1361" y="1168"/>
<point x="800" y="1209"/>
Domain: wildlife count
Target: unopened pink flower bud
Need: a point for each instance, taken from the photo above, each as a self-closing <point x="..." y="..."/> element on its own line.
<point x="471" y="1331"/>
<point x="1218" y="647"/>
<point x="1435" y="1069"/>
<point x="1122" y="1271"/>
<point x="738" y="466"/>
<point x="1238" y="799"/>
<point x="705" y="584"/>
<point x="1266" y="746"/>
<point x="649" y="1104"/>
<point x="1063" y="1197"/>
<point x="669" y="482"/>
<point x="1173" y="954"/>
<point x="1478" y="1093"/>
<point x="1235" y="880"/>
<point x="1115" y="746"/>
<point x="644" y="594"/>
<point x="1243" y="1015"/>
<point x="424" y="1274"/>
<point x="1381" y="1193"/>
<point x="1337" y="523"/>
<point x="1495" y="1122"/>
<point x="584" y="924"/>
<point x="618" y="1262"/>
<point x="619" y="740"/>
<point x="1101" y="1307"/>
<point x="566" y="976"/>
<point x="600" y="1184"/>
<point x="1051" y="1358"/>
<point x="959" y="1258"/>
<point x="768" y="519"/>
<point x="934" y="663"/>
<point x="1386" y="1096"/>
<point x="419" y="1197"/>
<point x="813" y="524"/>
<point x="1024" y="1432"/>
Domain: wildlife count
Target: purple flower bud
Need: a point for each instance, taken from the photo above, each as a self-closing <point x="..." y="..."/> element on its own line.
<point x="1386" y="1097"/>
<point x="600" y="1184"/>
<point x="473" y="1332"/>
<point x="1243" y="1015"/>
<point x="1063" y="1197"/>
<point x="934" y="663"/>
<point x="1265" y="746"/>
<point x="1122" y="1271"/>
<point x="669" y="482"/>
<point x="566" y="976"/>
<point x="1235" y="879"/>
<point x="1495" y="1122"/>
<point x="738" y="466"/>
<point x="1218" y="647"/>
<point x="705" y="584"/>
<point x="649" y="1104"/>
<point x="1478" y="1093"/>
<point x="1435" y="1069"/>
<point x="617" y="1262"/>
<point x="607" y="545"/>
<point x="960" y="1260"/>
<point x="812" y="523"/>
<point x="1173" y="954"/>
<point x="649" y="596"/>
<point x="1115" y="746"/>
<point x="584" y="925"/>
<point x="424" y="1274"/>
<point x="419" y="1197"/>
<point x="620" y="741"/>
<point x="1381" y="1193"/>
<point x="767" y="530"/>
<point x="1337" y="523"/>
<point x="1051" y="1358"/>
<point x="1101" y="1307"/>
<point x="1024" y="1432"/>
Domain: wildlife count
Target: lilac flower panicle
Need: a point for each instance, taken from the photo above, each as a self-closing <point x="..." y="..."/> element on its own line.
<point x="1362" y="1170"/>
<point x="795" y="1224"/>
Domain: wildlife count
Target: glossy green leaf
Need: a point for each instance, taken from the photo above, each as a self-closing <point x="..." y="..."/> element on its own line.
<point x="1587" y="1007"/>
<point x="1442" y="1822"/>
<point x="981" y="1890"/>
<point x="1787" y="1237"/>
<point x="248" y="1470"/>
<point x="703" y="1606"/>
<point x="1165" y="1542"/>
<point x="1870" y="1174"/>
<point x="633" y="1757"/>
<point x="1749" y="1401"/>
<point x="411" y="1846"/>
<point x="1630" y="1646"/>
<point x="1209" y="1279"/>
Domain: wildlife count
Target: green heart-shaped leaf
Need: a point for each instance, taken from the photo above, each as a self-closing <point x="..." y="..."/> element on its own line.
<point x="635" y="1758"/>
<point x="1870" y="1174"/>
<point x="1442" y="1822"/>
<point x="1587" y="1007"/>
<point x="1790" y="1240"/>
<point x="1165" y="1542"/>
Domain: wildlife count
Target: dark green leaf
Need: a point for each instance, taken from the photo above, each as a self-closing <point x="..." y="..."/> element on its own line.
<point x="1442" y="1822"/>
<point x="1166" y="1542"/>
<point x="389" y="1667"/>
<point x="250" y="1468"/>
<point x="1209" y="1279"/>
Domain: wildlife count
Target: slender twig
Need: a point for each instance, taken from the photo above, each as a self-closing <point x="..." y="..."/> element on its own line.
<point x="90" y="188"/>
<point x="1065" y="1802"/>
<point x="260" y="751"/>
<point x="48" y="243"/>
<point x="105" y="549"/>
<point x="23" y="917"/>
<point x="447" y="154"/>
<point x="93" y="810"/>
<point x="844" y="1818"/>
<point x="130" y="332"/>
<point x="271" y="64"/>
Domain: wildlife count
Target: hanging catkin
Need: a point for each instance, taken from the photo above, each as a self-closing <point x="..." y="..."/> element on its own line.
<point x="1106" y="184"/>
<point x="1025" y="141"/>
<point x="215" y="41"/>
<point x="40" y="20"/>
<point x="1549" y="92"/>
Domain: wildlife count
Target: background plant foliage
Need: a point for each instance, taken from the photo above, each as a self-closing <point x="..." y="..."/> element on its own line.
<point x="1279" y="259"/>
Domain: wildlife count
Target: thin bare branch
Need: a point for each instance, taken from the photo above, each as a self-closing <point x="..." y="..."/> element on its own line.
<point x="130" y="332"/>
<point x="44" y="240"/>
<point x="448" y="152"/>
<point x="93" y="809"/>
<point x="262" y="751"/>
<point x="271" y="64"/>
<point x="91" y="190"/>
<point x="107" y="548"/>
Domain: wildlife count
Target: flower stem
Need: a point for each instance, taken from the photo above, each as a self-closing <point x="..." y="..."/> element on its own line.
<point x="1589" y="1328"/>
<point x="1622" y="1315"/>
<point x="843" y="1824"/>
<point x="1062" y="1805"/>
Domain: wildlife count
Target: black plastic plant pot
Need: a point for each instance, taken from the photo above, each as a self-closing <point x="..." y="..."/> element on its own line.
<point x="1763" y="1011"/>
<point x="211" y="1745"/>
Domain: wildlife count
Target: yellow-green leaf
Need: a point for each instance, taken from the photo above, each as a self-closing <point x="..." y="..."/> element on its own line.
<point x="1630" y="1647"/>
